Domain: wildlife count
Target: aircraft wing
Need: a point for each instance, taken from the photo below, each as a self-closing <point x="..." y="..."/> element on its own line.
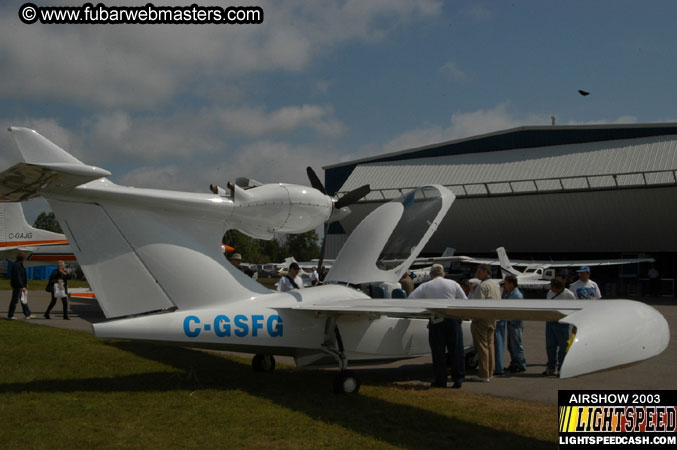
<point x="489" y="261"/>
<point x="593" y="262"/>
<point x="22" y="181"/>
<point x="548" y="264"/>
<point x="601" y="342"/>
<point x="428" y="261"/>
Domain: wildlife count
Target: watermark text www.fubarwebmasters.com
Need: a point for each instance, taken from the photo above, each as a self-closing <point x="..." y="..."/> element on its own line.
<point x="146" y="14"/>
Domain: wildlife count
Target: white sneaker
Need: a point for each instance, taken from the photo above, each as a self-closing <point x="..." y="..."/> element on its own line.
<point x="29" y="317"/>
<point x="11" y="318"/>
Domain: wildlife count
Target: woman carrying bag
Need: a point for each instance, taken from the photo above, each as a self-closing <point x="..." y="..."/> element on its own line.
<point x="58" y="287"/>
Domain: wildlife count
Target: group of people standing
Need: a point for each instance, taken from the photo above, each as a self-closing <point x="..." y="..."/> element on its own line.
<point x="489" y="336"/>
<point x="57" y="286"/>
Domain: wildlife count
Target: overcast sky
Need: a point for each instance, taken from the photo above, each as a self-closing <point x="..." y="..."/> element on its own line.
<point x="321" y="82"/>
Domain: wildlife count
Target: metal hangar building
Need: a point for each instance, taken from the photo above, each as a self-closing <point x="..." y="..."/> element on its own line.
<point x="561" y="192"/>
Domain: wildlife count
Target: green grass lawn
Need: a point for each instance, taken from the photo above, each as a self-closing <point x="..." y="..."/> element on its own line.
<point x="67" y="389"/>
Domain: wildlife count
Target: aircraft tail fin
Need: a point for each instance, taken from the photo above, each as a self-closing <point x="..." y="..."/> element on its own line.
<point x="36" y="149"/>
<point x="503" y="258"/>
<point x="16" y="232"/>
<point x="46" y="169"/>
<point x="506" y="266"/>
<point x="288" y="260"/>
<point x="137" y="247"/>
<point x="448" y="252"/>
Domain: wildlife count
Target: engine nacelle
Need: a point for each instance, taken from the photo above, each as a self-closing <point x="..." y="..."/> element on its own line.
<point x="284" y="208"/>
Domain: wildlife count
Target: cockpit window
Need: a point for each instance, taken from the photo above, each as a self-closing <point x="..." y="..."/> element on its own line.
<point x="421" y="206"/>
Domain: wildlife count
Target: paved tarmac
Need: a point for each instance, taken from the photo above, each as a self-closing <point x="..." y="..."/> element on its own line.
<point x="655" y="373"/>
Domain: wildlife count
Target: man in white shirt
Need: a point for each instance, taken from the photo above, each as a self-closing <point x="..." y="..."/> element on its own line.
<point x="292" y="280"/>
<point x="585" y="288"/>
<point x="444" y="333"/>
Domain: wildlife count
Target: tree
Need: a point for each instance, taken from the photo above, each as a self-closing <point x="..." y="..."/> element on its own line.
<point x="271" y="251"/>
<point x="303" y="247"/>
<point x="249" y="248"/>
<point x="47" y="221"/>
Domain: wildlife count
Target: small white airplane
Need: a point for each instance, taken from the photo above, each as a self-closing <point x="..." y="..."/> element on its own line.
<point x="150" y="256"/>
<point x="41" y="247"/>
<point x="538" y="274"/>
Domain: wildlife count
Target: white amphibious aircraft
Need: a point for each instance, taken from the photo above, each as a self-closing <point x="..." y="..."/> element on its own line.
<point x="150" y="256"/>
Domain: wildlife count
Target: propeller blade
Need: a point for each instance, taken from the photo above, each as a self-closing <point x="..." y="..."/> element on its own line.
<point x="315" y="180"/>
<point x="324" y="243"/>
<point x="352" y="196"/>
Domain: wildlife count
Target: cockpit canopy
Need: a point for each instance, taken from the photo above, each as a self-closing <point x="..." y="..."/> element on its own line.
<point x="397" y="230"/>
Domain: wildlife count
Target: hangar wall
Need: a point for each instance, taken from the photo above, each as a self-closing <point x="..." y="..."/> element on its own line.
<point x="583" y="191"/>
<point x="623" y="220"/>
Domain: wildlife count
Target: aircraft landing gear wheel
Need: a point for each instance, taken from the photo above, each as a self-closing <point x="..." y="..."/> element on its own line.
<point x="263" y="363"/>
<point x="471" y="360"/>
<point x="346" y="382"/>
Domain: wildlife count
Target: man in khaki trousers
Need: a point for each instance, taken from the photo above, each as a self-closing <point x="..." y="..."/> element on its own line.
<point x="483" y="330"/>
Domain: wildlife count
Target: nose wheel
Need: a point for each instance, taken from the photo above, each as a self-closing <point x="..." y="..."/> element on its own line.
<point x="346" y="382"/>
<point x="263" y="363"/>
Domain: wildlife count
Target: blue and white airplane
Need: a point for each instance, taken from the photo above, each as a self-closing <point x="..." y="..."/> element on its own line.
<point x="150" y="255"/>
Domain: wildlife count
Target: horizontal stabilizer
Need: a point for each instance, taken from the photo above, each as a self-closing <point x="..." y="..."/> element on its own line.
<point x="25" y="181"/>
<point x="46" y="168"/>
<point x="603" y="325"/>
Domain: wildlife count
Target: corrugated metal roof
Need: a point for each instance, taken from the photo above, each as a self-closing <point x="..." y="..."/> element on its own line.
<point x="524" y="137"/>
<point x="587" y="159"/>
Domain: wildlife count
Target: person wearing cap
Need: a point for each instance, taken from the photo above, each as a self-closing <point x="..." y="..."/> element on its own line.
<point x="444" y="334"/>
<point x="236" y="260"/>
<point x="585" y="288"/>
<point x="291" y="280"/>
